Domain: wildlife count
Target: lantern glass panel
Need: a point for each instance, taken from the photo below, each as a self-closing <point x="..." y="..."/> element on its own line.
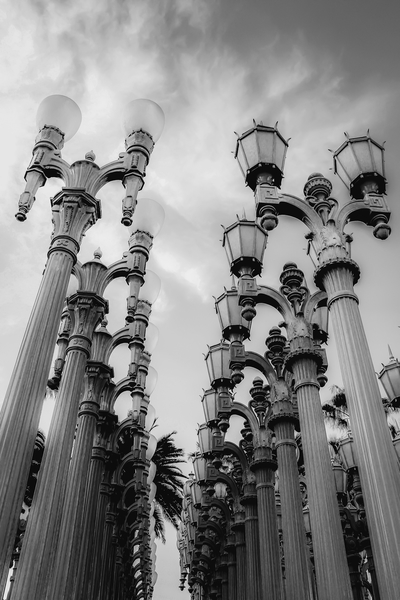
<point x="241" y="158"/>
<point x="222" y="308"/>
<point x="362" y="150"/>
<point x="280" y="152"/>
<point x="232" y="243"/>
<point x="248" y="238"/>
<point x="379" y="163"/>
<point x="260" y="243"/>
<point x="340" y="479"/>
<point x="210" y="405"/>
<point x="347" y="453"/>
<point x="205" y="439"/>
<point x="217" y="361"/>
<point x="250" y="148"/>
<point x="346" y="165"/>
<point x="390" y="379"/>
<point x="229" y="310"/>
<point x="266" y="145"/>
<point x="196" y="494"/>
<point x="200" y="469"/>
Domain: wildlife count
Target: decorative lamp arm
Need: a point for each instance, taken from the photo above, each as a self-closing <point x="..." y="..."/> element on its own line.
<point x="373" y="210"/>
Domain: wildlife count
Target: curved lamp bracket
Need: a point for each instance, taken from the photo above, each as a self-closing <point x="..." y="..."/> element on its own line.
<point x="270" y="296"/>
<point x="255" y="360"/>
<point x="312" y="303"/>
<point x="246" y="413"/>
<point x="238" y="452"/>
<point x="288" y="205"/>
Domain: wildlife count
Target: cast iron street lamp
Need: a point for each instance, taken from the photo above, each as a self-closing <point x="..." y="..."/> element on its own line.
<point x="359" y="162"/>
<point x="298" y="368"/>
<point x="75" y="208"/>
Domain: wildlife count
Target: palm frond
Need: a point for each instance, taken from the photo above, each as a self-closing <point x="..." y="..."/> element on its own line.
<point x="169" y="478"/>
<point x="159" y="528"/>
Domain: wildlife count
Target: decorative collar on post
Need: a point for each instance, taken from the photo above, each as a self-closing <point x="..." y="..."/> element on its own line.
<point x="260" y="401"/>
<point x="317" y="191"/>
<point x="292" y="280"/>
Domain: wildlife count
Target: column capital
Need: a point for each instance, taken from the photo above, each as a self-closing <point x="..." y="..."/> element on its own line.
<point x="74" y="212"/>
<point x="303" y="353"/>
<point x="86" y="310"/>
<point x="335" y="263"/>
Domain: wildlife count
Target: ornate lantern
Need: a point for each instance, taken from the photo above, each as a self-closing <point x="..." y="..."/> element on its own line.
<point x="347" y="453"/>
<point x="390" y="379"/>
<point x="245" y="243"/>
<point x="261" y="153"/>
<point x="360" y="164"/>
<point x="210" y="406"/>
<point x="217" y="361"/>
<point x="230" y="318"/>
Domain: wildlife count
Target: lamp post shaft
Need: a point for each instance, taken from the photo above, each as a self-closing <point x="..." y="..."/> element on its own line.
<point x="328" y="544"/>
<point x="297" y="584"/>
<point x="64" y="578"/>
<point x="253" y="568"/>
<point x="94" y="505"/>
<point x="23" y="402"/>
<point x="232" y="578"/>
<point x="41" y="540"/>
<point x="240" y="544"/>
<point x="377" y="461"/>
<point x="269" y="549"/>
<point x="91" y="577"/>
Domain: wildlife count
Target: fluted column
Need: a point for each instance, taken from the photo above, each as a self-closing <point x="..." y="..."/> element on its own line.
<point x="264" y="468"/>
<point x="253" y="567"/>
<point x="108" y="549"/>
<point x="376" y="457"/>
<point x="231" y="565"/>
<point x="40" y="542"/>
<point x="92" y="574"/>
<point x="22" y="406"/>
<point x="224" y="577"/>
<point x="64" y="576"/>
<point x="297" y="584"/>
<point x="94" y="506"/>
<point x="328" y="544"/>
<point x="240" y="546"/>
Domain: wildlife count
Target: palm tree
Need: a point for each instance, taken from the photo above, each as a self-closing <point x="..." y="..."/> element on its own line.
<point x="169" y="480"/>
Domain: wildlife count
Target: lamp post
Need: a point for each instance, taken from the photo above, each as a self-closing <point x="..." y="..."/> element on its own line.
<point x="306" y="360"/>
<point x="75" y="209"/>
<point x="359" y="162"/>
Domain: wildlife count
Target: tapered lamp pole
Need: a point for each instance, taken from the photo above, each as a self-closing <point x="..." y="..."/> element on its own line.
<point x="74" y="209"/>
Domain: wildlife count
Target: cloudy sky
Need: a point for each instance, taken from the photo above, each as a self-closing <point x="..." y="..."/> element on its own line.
<point x="319" y="68"/>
